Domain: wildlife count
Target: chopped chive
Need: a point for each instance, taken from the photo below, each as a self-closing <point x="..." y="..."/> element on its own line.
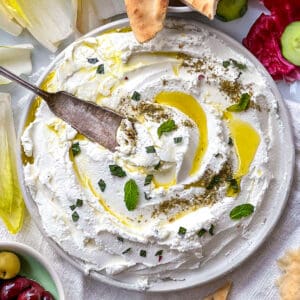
<point x="126" y="251"/>
<point x="120" y="239"/>
<point x="159" y="253"/>
<point x="117" y="171"/>
<point x="136" y="96"/>
<point x="76" y="149"/>
<point x="177" y="140"/>
<point x="79" y="202"/>
<point x="201" y="232"/>
<point x="150" y="149"/>
<point x="100" y="69"/>
<point x="182" y="231"/>
<point x="143" y="253"/>
<point x="211" y="229"/>
<point x="75" y="216"/>
<point x="73" y="207"/>
<point x="92" y="60"/>
<point x="102" y="185"/>
<point x="148" y="179"/>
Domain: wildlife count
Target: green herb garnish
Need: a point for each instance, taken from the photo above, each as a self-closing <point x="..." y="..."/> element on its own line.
<point x="73" y="207"/>
<point x="143" y="253"/>
<point x="75" y="216"/>
<point x="79" y="202"/>
<point x="126" y="251"/>
<point x="120" y="239"/>
<point x="233" y="185"/>
<point x="75" y="149"/>
<point x="238" y="65"/>
<point x="181" y="231"/>
<point x="241" y="211"/>
<point x="146" y="196"/>
<point x="148" y="179"/>
<point x="226" y="63"/>
<point x="166" y="127"/>
<point x="100" y="69"/>
<point x="131" y="194"/>
<point x="92" y="60"/>
<point x="211" y="229"/>
<point x="156" y="167"/>
<point x="159" y="253"/>
<point x="230" y="142"/>
<point x="201" y="232"/>
<point x="214" y="181"/>
<point x="242" y="105"/>
<point x="150" y="149"/>
<point x="116" y="170"/>
<point x="136" y="96"/>
<point x="102" y="185"/>
<point x="177" y="140"/>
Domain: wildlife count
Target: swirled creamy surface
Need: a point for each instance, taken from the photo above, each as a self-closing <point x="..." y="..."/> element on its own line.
<point x="192" y="156"/>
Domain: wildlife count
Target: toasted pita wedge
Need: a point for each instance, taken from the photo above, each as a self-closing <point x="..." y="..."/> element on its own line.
<point x="146" y="17"/>
<point x="220" y="294"/>
<point x="288" y="283"/>
<point x="205" y="7"/>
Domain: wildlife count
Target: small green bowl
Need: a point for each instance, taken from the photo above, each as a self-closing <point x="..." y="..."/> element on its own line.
<point x="36" y="267"/>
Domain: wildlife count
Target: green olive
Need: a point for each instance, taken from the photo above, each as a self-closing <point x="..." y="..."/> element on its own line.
<point x="9" y="265"/>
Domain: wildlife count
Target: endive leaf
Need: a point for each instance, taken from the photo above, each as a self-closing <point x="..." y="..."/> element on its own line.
<point x="50" y="22"/>
<point x="7" y="23"/>
<point x="11" y="201"/>
<point x="93" y="13"/>
<point x="16" y="59"/>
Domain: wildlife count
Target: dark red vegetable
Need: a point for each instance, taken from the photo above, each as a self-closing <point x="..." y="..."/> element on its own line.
<point x="12" y="288"/>
<point x="47" y="296"/>
<point x="263" y="39"/>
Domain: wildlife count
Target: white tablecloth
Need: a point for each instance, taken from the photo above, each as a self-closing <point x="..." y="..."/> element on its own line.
<point x="255" y="279"/>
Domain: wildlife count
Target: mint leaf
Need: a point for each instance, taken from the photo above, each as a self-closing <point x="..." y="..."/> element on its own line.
<point x="226" y="63"/>
<point x="100" y="69"/>
<point x="131" y="194"/>
<point x="182" y="231"/>
<point x="242" y="105"/>
<point x="150" y="149"/>
<point x="75" y="149"/>
<point x="136" y="96"/>
<point x="178" y="139"/>
<point x="116" y="170"/>
<point x="241" y="211"/>
<point x="102" y="185"/>
<point x="201" y="232"/>
<point x="166" y="127"/>
<point x="79" y="202"/>
<point x="148" y="179"/>
<point x="75" y="216"/>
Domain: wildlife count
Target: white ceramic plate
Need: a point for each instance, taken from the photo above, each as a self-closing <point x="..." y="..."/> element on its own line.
<point x="263" y="222"/>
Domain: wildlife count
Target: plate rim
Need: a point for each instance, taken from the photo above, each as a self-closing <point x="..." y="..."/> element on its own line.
<point x="284" y="116"/>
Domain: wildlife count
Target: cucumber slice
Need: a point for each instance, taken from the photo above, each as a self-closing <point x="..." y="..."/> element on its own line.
<point x="290" y="43"/>
<point x="229" y="10"/>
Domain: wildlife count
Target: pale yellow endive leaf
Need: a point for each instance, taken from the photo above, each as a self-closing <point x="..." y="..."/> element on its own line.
<point x="16" y="59"/>
<point x="93" y="13"/>
<point x="50" y="22"/>
<point x="7" y="23"/>
<point x="12" y="206"/>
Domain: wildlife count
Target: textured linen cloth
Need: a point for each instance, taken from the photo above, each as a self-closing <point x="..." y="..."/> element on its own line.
<point x="254" y="279"/>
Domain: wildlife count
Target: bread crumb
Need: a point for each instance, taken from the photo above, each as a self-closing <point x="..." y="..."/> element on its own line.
<point x="221" y="293"/>
<point x="289" y="282"/>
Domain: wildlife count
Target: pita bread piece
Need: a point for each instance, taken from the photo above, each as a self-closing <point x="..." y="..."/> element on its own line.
<point x="289" y="282"/>
<point x="146" y="17"/>
<point x="221" y="293"/>
<point x="205" y="7"/>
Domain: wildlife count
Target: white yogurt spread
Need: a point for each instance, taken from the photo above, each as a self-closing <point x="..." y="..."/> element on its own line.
<point x="211" y="161"/>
